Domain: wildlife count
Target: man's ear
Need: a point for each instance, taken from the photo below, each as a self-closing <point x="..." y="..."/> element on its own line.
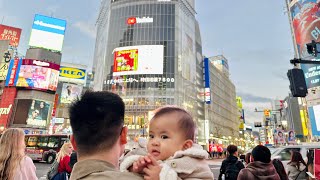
<point x="187" y="144"/>
<point x="123" y="135"/>
<point x="73" y="142"/>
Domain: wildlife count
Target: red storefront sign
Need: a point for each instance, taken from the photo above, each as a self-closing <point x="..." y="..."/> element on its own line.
<point x="317" y="163"/>
<point x="10" y="33"/>
<point x="6" y="105"/>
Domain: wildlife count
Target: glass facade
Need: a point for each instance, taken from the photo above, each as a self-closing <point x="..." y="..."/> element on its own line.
<point x="172" y="24"/>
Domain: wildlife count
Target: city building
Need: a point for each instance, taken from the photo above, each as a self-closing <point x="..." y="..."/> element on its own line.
<point x="31" y="82"/>
<point x="223" y="111"/>
<point x="295" y="117"/>
<point x="149" y="52"/>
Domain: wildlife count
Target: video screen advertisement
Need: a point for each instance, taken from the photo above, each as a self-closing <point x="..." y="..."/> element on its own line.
<point x="32" y="112"/>
<point x="70" y="92"/>
<point x="10" y="33"/>
<point x="306" y="26"/>
<point x="38" y="75"/>
<point x="131" y="60"/>
<point x="47" y="32"/>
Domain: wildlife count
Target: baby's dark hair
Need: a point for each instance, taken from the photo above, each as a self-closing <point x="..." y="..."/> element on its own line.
<point x="186" y="122"/>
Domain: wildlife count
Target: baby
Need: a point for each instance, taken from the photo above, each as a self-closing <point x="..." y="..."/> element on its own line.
<point x="171" y="151"/>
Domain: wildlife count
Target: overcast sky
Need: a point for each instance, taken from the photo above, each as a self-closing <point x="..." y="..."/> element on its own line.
<point x="254" y="35"/>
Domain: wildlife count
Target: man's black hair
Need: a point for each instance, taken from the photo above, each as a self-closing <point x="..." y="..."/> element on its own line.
<point x="262" y="154"/>
<point x="96" y="120"/>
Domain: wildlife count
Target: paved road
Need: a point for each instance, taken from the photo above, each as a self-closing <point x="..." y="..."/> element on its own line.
<point x="42" y="168"/>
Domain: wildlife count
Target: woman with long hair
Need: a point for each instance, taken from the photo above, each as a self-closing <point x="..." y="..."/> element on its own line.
<point x="280" y="169"/>
<point x="63" y="158"/>
<point x="297" y="168"/>
<point x="14" y="164"/>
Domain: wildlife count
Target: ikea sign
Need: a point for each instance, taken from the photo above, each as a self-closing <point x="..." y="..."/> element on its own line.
<point x="72" y="73"/>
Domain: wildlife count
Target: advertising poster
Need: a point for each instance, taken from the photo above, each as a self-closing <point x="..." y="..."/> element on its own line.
<point x="38" y="75"/>
<point x="10" y="33"/>
<point x="279" y="136"/>
<point x="70" y="92"/>
<point x="291" y="137"/>
<point x="317" y="163"/>
<point x="130" y="60"/>
<point x="38" y="113"/>
<point x="306" y="24"/>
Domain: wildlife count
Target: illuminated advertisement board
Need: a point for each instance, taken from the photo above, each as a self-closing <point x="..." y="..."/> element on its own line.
<point x="306" y="25"/>
<point x="207" y="81"/>
<point x="314" y="116"/>
<point x="47" y="32"/>
<point x="72" y="74"/>
<point x="130" y="60"/>
<point x="10" y="33"/>
<point x="38" y="113"/>
<point x="40" y="75"/>
<point x="70" y="92"/>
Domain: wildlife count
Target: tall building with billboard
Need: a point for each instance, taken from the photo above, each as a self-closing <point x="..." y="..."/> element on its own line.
<point x="31" y="83"/>
<point x="304" y="18"/>
<point x="149" y="52"/>
<point x="222" y="111"/>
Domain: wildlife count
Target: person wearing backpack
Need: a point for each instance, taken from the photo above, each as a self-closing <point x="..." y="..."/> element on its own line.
<point x="231" y="166"/>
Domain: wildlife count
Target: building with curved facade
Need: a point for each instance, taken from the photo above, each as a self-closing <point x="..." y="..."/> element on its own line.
<point x="149" y="52"/>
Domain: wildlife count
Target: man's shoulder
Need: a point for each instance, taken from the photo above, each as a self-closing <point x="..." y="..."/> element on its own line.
<point x="112" y="175"/>
<point x="97" y="169"/>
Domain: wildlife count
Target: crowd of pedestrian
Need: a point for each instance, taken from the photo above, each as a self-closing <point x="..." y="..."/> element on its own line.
<point x="96" y="149"/>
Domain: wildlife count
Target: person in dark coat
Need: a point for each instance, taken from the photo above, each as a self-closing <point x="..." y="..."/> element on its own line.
<point x="231" y="166"/>
<point x="73" y="159"/>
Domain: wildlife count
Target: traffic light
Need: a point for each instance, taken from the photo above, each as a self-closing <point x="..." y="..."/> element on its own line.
<point x="298" y="85"/>
<point x="313" y="48"/>
<point x="266" y="112"/>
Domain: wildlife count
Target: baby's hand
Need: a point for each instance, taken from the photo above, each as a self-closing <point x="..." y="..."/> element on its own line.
<point x="140" y="164"/>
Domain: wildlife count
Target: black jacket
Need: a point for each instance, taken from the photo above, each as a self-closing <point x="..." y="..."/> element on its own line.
<point x="230" y="160"/>
<point x="73" y="159"/>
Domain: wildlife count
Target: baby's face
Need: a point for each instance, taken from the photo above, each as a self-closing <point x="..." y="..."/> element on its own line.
<point x="165" y="136"/>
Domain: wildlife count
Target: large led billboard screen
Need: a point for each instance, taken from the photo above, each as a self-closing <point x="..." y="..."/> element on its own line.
<point x="10" y="33"/>
<point x="130" y="60"/>
<point x="306" y="26"/>
<point x="47" y="32"/>
<point x="70" y="92"/>
<point x="40" y="75"/>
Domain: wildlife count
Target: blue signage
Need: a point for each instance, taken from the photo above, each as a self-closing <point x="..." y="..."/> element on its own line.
<point x="311" y="74"/>
<point x="314" y="119"/>
<point x="49" y="24"/>
<point x="207" y="81"/>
